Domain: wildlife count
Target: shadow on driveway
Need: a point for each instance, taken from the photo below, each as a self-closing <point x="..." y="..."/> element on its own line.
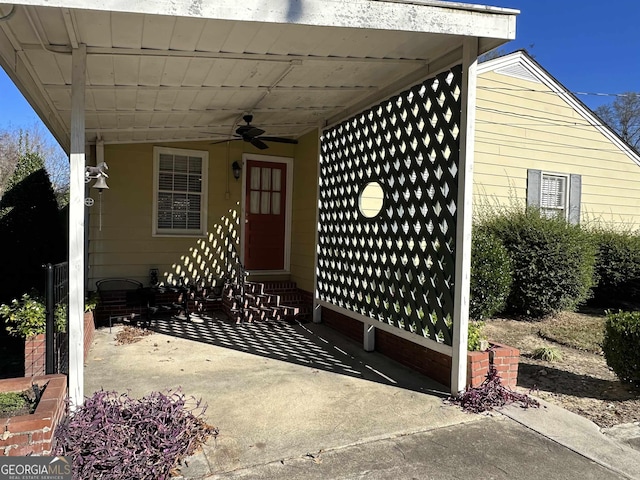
<point x="310" y="345"/>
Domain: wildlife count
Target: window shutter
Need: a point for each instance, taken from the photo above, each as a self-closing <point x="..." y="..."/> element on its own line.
<point x="575" y="193"/>
<point x="534" y="181"/>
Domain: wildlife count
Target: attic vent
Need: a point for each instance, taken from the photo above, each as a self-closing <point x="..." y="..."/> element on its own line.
<point x="519" y="71"/>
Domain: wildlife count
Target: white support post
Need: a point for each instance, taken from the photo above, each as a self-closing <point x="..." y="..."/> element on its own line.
<point x="464" y="216"/>
<point x="76" y="228"/>
<point x="369" y="338"/>
<point x="317" y="312"/>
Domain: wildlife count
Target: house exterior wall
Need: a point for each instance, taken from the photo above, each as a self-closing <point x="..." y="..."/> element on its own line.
<point x="125" y="246"/>
<point x="521" y="124"/>
<point x="305" y="201"/>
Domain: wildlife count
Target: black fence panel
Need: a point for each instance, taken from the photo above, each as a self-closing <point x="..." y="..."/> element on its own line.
<point x="57" y="303"/>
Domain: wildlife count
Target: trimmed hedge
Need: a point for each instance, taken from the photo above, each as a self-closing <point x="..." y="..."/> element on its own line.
<point x="617" y="268"/>
<point x="621" y="345"/>
<point x="553" y="262"/>
<point x="491" y="275"/>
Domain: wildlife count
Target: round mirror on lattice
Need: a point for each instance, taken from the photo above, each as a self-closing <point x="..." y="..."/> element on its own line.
<point x="371" y="199"/>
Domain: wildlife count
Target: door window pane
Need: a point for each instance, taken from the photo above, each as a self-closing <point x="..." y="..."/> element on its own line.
<point x="276" y="177"/>
<point x="266" y="179"/>
<point x="275" y="203"/>
<point x="265" y="204"/>
<point x="254" y="202"/>
<point x="255" y="178"/>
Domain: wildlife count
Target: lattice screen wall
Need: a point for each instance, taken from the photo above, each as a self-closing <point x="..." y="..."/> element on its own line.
<point x="398" y="266"/>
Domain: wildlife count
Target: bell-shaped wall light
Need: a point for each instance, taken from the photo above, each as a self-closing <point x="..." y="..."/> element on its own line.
<point x="237" y="170"/>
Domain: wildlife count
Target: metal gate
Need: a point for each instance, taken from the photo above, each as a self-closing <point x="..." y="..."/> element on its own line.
<point x="57" y="303"/>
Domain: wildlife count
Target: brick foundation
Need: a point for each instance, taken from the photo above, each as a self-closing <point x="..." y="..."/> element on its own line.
<point x="428" y="362"/>
<point x="120" y="302"/>
<point x="32" y="434"/>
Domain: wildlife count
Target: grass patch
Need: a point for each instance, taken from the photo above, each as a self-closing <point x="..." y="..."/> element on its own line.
<point x="548" y="354"/>
<point x="13" y="404"/>
<point x="582" y="332"/>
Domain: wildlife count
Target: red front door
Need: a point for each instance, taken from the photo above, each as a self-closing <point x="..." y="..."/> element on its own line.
<point x="265" y="206"/>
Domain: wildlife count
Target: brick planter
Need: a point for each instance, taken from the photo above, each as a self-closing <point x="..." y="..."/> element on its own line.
<point x="31" y="434"/>
<point x="504" y="358"/>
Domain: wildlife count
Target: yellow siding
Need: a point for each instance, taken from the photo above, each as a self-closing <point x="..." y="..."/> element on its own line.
<point x="518" y="129"/>
<point x="303" y="231"/>
<point x="125" y="246"/>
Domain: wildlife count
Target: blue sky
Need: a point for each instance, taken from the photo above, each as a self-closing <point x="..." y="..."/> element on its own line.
<point x="588" y="46"/>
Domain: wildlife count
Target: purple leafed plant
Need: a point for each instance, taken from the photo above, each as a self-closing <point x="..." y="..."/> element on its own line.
<point x="113" y="436"/>
<point x="491" y="394"/>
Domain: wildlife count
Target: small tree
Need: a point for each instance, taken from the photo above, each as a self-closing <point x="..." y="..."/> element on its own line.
<point x="32" y="141"/>
<point x="30" y="227"/>
<point x="623" y="115"/>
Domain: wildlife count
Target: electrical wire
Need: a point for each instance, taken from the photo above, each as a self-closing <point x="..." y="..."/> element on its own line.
<point x="548" y="92"/>
<point x="519" y="89"/>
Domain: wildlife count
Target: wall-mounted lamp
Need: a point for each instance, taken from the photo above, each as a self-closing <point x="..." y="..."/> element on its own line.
<point x="237" y="170"/>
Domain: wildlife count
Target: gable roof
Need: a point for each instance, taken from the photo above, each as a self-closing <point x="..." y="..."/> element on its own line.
<point x="520" y="64"/>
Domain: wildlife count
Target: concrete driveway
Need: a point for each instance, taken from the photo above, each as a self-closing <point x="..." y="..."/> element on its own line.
<point x="273" y="389"/>
<point x="303" y="402"/>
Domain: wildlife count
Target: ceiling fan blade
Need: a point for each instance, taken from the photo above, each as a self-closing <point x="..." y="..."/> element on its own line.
<point x="280" y="140"/>
<point x="252" y="132"/>
<point x="225" y="141"/>
<point x="256" y="142"/>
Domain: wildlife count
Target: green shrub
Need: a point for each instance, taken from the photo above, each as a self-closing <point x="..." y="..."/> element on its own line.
<point x="617" y="267"/>
<point x="476" y="336"/>
<point x="553" y="262"/>
<point x="621" y="345"/>
<point x="27" y="317"/>
<point x="491" y="275"/>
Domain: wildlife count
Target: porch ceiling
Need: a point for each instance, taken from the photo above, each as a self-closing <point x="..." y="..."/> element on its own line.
<point x="296" y="65"/>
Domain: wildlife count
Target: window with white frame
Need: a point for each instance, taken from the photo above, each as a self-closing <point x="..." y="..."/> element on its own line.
<point x="179" y="191"/>
<point x="555" y="194"/>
